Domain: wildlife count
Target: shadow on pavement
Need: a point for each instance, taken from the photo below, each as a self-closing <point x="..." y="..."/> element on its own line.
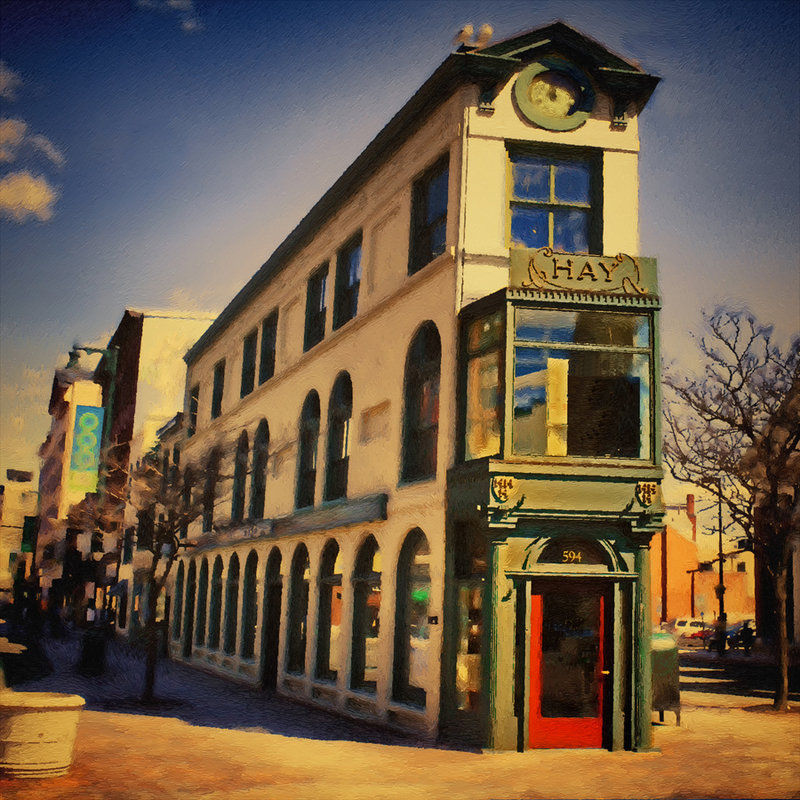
<point x="198" y="698"/>
<point x="733" y="674"/>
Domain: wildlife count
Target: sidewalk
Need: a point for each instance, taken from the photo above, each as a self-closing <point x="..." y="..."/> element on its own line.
<point x="213" y="739"/>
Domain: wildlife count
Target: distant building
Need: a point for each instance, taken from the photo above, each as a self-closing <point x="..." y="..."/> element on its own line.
<point x="685" y="572"/>
<point x="18" y="526"/>
<point x="102" y="422"/>
<point x="69" y="470"/>
<point x="426" y="431"/>
<point x="143" y="393"/>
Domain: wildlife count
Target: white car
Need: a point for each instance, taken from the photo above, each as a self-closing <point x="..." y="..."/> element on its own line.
<point x="686" y="626"/>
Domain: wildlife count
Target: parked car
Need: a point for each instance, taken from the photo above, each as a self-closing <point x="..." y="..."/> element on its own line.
<point x="691" y="631"/>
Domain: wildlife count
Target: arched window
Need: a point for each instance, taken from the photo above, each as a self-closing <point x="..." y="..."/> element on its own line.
<point x="307" y="451"/>
<point x="366" y="617"/>
<point x="470" y="573"/>
<point x="421" y="417"/>
<point x="330" y="612"/>
<point x="215" y="610"/>
<point x="239" y="477"/>
<point x="186" y="499"/>
<point x="258" y="481"/>
<point x="340" y="410"/>
<point x="202" y="601"/>
<point x="231" y="605"/>
<point x="249" y="620"/>
<point x="411" y="620"/>
<point x="188" y="616"/>
<point x="298" y="611"/>
<point x="178" y="607"/>
<point x="271" y="627"/>
<point x="210" y="490"/>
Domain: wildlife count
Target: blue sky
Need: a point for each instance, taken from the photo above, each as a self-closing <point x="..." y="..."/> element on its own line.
<point x="163" y="148"/>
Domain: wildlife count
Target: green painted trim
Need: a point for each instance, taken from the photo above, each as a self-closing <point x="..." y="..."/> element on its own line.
<point x="617" y="663"/>
<point x="642" y="672"/>
<point x="535" y="115"/>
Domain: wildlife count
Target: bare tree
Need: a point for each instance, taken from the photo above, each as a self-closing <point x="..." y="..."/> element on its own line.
<point x="166" y="506"/>
<point x="734" y="432"/>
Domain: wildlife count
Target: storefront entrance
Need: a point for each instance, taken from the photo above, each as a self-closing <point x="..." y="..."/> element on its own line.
<point x="569" y="663"/>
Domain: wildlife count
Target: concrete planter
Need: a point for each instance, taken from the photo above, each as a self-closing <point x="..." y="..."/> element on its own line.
<point x="37" y="732"/>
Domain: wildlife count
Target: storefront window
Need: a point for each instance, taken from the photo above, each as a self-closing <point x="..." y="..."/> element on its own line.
<point x="470" y="568"/>
<point x="298" y="611"/>
<point x="366" y="617"/>
<point x="484" y="353"/>
<point x="581" y="383"/>
<point x="411" y="620"/>
<point x="330" y="612"/>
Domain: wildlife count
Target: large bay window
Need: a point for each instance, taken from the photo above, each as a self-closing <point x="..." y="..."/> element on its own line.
<point x="581" y="383"/>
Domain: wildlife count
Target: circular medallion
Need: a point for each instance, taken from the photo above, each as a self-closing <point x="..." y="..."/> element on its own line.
<point x="554" y="95"/>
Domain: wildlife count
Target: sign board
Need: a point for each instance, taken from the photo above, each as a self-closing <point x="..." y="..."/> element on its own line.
<point x="547" y="270"/>
<point x="85" y="456"/>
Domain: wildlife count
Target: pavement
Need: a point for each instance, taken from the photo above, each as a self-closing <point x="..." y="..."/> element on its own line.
<point x="209" y="738"/>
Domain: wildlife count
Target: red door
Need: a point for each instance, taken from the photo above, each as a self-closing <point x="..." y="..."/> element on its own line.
<point x="567" y="666"/>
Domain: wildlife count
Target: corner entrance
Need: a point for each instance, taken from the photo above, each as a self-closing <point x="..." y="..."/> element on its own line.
<point x="569" y="664"/>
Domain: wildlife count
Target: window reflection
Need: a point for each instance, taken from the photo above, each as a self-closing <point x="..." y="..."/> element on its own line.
<point x="411" y="621"/>
<point x="366" y="617"/>
<point x="483" y="411"/>
<point x="470" y="568"/>
<point x="588" y="399"/>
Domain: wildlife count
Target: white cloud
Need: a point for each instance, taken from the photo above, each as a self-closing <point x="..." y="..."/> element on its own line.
<point x="44" y="145"/>
<point x="189" y="21"/>
<point x="23" y="196"/>
<point x="14" y="137"/>
<point x="9" y="82"/>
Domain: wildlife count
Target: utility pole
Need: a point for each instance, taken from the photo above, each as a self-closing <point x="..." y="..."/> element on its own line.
<point x="722" y="620"/>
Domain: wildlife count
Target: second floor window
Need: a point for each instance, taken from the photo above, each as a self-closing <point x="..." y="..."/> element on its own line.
<point x="421" y="412"/>
<point x="194" y="402"/>
<point x="307" y="451"/>
<point x="340" y="411"/>
<point x="581" y="383"/>
<point x="348" y="281"/>
<point x="219" y="387"/>
<point x="428" y="216"/>
<point x="269" y="340"/>
<point x="249" y="362"/>
<point x="483" y="354"/>
<point x="316" y="307"/>
<point x="551" y="204"/>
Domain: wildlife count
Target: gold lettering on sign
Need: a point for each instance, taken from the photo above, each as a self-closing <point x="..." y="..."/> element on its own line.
<point x="646" y="492"/>
<point x="550" y="270"/>
<point x="502" y="487"/>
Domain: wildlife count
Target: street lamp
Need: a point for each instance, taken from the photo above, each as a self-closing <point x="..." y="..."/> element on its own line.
<point x="722" y="621"/>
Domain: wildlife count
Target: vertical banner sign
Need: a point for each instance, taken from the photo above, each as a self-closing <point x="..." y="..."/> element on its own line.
<point x="85" y="459"/>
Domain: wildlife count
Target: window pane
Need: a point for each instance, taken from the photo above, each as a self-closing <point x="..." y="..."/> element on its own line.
<point x="483" y="406"/>
<point x="531" y="178"/>
<point x="436" y="200"/>
<point x="582" y="327"/>
<point x="571" y="183"/>
<point x="571" y="231"/>
<point x="529" y="227"/>
<point x="468" y="658"/>
<point x="581" y="402"/>
<point x="570" y="648"/>
<point x="366" y="618"/>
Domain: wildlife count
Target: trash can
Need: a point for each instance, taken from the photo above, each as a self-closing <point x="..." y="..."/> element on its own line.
<point x="93" y="652"/>
<point x="666" y="675"/>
